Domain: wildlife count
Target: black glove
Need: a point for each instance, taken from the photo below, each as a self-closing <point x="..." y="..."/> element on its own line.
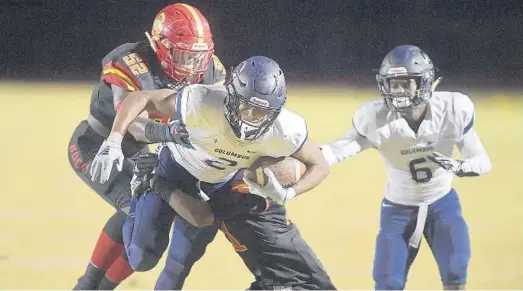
<point x="179" y="134"/>
<point x="143" y="171"/>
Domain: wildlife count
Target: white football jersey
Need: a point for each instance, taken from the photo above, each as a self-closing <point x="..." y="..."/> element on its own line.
<point x="412" y="179"/>
<point x="218" y="153"/>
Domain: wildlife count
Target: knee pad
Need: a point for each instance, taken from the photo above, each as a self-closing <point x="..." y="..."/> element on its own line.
<point x="456" y="272"/>
<point x="172" y="276"/>
<point x="388" y="283"/>
<point x="140" y="259"/>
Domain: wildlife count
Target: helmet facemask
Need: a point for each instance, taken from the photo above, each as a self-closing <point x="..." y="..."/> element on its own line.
<point x="402" y="92"/>
<point x="248" y="118"/>
<point x="183" y="64"/>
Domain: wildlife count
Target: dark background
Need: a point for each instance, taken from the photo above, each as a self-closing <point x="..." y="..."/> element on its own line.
<point x="474" y="41"/>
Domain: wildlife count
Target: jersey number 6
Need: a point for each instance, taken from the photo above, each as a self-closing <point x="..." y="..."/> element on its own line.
<point x="420" y="175"/>
<point x="221" y="164"/>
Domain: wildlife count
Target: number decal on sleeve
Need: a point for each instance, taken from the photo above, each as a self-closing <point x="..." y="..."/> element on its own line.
<point x="221" y="164"/>
<point x="136" y="64"/>
<point x="421" y="174"/>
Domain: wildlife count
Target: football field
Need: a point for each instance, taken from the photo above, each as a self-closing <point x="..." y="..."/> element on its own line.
<point x="50" y="220"/>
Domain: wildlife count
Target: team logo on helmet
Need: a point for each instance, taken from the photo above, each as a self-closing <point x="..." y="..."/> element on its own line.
<point x="259" y="102"/>
<point x="398" y="71"/>
<point x="158" y="26"/>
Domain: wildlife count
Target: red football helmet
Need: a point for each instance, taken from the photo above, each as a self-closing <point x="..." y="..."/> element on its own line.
<point x="182" y="40"/>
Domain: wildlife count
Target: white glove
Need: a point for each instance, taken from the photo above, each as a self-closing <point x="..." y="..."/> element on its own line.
<point x="458" y="167"/>
<point x="272" y="189"/>
<point x="110" y="152"/>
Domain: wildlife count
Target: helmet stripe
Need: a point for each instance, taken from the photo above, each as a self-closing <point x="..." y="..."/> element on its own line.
<point x="197" y="19"/>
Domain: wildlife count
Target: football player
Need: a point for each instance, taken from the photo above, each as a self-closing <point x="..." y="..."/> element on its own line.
<point x="415" y="130"/>
<point x="230" y="127"/>
<point x="179" y="52"/>
<point x="270" y="245"/>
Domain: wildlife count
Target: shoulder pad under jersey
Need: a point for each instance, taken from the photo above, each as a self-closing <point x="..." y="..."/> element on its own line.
<point x="216" y="73"/>
<point x="127" y="66"/>
<point x="365" y="117"/>
<point x="199" y="99"/>
<point x="463" y="111"/>
<point x="290" y="132"/>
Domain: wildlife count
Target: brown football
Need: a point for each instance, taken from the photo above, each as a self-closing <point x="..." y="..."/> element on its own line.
<point x="287" y="171"/>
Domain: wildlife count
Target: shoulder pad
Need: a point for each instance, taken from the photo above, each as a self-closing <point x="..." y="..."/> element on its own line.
<point x="125" y="67"/>
<point x="215" y="74"/>
<point x="199" y="99"/>
<point x="293" y="131"/>
<point x="463" y="109"/>
<point x="365" y="116"/>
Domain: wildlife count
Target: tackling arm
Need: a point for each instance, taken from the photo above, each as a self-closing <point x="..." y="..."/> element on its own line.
<point x="345" y="147"/>
<point x="162" y="102"/>
<point x="475" y="160"/>
<point x="197" y="212"/>
<point x="138" y="126"/>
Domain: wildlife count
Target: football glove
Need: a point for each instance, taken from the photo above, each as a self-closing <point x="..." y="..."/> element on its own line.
<point x="110" y="153"/>
<point x="179" y="134"/>
<point x="273" y="189"/>
<point x="143" y="171"/>
<point x="458" y="167"/>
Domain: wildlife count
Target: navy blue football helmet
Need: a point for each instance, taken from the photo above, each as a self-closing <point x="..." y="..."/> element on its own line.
<point x="256" y="94"/>
<point x="406" y="78"/>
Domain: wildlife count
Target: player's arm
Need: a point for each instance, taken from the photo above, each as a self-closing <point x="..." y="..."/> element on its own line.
<point x="317" y="167"/>
<point x="138" y="127"/>
<point x="296" y="144"/>
<point x="354" y="141"/>
<point x="161" y="102"/>
<point x="196" y="211"/>
<point x="475" y="160"/>
<point x="345" y="147"/>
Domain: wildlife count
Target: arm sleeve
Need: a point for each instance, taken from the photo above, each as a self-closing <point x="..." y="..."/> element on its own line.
<point x="355" y="141"/>
<point x="475" y="160"/>
<point x="345" y="147"/>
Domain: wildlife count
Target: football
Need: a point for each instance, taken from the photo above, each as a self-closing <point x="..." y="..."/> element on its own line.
<point x="287" y="171"/>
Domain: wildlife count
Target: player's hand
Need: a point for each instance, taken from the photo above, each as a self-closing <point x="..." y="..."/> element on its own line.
<point x="110" y="152"/>
<point x="272" y="189"/>
<point x="143" y="171"/>
<point x="179" y="134"/>
<point x="459" y="167"/>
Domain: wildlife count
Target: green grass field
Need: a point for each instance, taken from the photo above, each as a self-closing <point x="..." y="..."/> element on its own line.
<point x="50" y="220"/>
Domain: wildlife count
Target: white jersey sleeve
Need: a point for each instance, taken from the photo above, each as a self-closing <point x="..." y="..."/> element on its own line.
<point x="287" y="135"/>
<point x="355" y="141"/>
<point x="463" y="112"/>
<point x="474" y="156"/>
<point x="197" y="99"/>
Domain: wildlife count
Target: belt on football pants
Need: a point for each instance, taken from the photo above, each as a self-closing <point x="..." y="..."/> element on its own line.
<point x="98" y="127"/>
<point x="415" y="238"/>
